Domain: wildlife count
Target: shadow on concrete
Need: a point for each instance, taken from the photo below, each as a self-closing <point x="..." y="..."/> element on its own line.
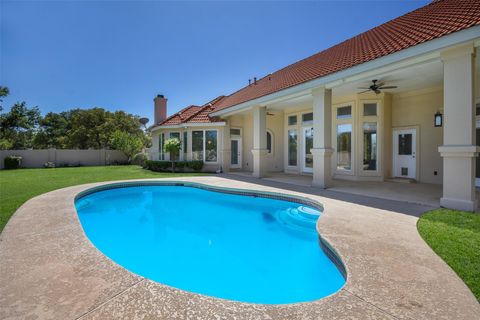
<point x="403" y="207"/>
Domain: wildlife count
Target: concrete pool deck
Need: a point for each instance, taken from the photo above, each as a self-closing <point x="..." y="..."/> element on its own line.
<point x="50" y="270"/>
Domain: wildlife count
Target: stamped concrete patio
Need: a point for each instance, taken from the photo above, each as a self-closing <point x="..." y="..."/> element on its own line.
<point x="50" y="270"/>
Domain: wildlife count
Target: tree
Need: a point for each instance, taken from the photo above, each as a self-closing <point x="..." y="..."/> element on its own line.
<point x="3" y="93"/>
<point x="53" y="131"/>
<point x="127" y="143"/>
<point x="172" y="146"/>
<point x="18" y="126"/>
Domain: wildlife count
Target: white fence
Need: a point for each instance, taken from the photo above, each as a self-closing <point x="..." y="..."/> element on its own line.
<point x="65" y="157"/>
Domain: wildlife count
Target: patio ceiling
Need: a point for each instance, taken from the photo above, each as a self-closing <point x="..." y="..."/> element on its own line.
<point x="413" y="78"/>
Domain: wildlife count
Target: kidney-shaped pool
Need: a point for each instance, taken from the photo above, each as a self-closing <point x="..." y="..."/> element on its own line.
<point x="240" y="247"/>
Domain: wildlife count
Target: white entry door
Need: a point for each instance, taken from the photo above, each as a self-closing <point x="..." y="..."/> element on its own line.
<point x="236" y="153"/>
<point x="404" y="153"/>
<point x="307" y="163"/>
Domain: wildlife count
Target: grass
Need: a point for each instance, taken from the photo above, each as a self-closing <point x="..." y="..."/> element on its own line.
<point x="455" y="236"/>
<point x="17" y="186"/>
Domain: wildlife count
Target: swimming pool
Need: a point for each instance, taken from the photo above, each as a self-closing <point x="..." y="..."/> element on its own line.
<point x="231" y="246"/>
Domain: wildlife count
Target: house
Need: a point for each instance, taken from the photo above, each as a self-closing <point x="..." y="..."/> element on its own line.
<point x="418" y="117"/>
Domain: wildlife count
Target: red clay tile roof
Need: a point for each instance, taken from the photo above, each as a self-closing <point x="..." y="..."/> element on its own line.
<point x="180" y="116"/>
<point x="437" y="19"/>
<point x="194" y="114"/>
<point x="434" y="20"/>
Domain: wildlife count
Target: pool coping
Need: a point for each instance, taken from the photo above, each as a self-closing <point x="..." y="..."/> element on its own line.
<point x="45" y="234"/>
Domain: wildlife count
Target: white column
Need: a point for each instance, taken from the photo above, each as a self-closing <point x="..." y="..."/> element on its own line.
<point x="259" y="150"/>
<point x="226" y="149"/>
<point x="322" y="137"/>
<point x="459" y="146"/>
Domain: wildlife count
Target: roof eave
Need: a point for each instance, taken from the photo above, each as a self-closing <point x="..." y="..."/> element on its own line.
<point x="190" y="125"/>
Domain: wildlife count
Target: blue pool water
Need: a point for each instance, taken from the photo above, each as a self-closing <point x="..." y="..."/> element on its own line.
<point x="235" y="247"/>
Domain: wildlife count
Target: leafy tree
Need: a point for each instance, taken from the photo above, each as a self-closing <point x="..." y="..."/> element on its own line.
<point x="127" y="143"/>
<point x="172" y="146"/>
<point x="53" y="131"/>
<point x="3" y="93"/>
<point x="18" y="126"/>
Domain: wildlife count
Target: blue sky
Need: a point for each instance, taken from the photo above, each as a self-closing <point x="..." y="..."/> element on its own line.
<point x="119" y="54"/>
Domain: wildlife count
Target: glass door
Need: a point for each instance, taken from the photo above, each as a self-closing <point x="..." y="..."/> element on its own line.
<point x="236" y="153"/>
<point x="307" y="146"/>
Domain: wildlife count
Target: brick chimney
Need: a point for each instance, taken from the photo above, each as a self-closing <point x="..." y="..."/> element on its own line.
<point x="160" y="103"/>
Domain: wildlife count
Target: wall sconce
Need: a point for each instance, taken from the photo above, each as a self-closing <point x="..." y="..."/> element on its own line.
<point x="438" y="120"/>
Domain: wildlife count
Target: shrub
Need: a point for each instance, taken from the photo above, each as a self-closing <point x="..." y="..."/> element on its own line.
<point x="12" y="162"/>
<point x="49" y="164"/>
<point x="139" y="159"/>
<point x="180" y="166"/>
<point x="196" y="165"/>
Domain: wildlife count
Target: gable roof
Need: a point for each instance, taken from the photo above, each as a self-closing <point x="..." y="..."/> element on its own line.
<point x="434" y="20"/>
<point x="194" y="114"/>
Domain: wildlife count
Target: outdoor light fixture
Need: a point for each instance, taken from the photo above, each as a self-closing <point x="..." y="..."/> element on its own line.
<point x="438" y="120"/>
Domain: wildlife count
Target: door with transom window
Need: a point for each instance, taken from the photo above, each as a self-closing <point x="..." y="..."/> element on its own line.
<point x="307" y="162"/>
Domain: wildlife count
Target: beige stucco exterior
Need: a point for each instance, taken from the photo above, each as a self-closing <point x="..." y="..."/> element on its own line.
<point x="447" y="84"/>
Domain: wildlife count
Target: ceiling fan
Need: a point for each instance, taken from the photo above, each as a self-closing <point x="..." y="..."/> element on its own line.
<point x="376" y="87"/>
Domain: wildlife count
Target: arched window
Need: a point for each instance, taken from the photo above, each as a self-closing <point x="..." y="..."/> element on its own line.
<point x="269" y="142"/>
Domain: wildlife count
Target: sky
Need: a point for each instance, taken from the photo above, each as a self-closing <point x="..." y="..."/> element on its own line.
<point x="119" y="55"/>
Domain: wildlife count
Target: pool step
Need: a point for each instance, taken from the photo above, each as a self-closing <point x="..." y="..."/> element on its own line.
<point x="301" y="217"/>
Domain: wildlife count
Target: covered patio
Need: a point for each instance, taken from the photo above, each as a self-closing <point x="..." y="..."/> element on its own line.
<point x="425" y="194"/>
<point x="403" y="143"/>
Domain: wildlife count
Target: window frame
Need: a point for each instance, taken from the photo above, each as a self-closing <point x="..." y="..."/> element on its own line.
<point x="161" y="144"/>
<point x="339" y="121"/>
<point x="272" y="142"/>
<point x="362" y="119"/>
<point x="204" y="142"/>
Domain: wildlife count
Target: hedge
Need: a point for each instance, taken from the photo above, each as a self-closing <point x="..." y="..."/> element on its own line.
<point x="12" y="162"/>
<point x="180" y="166"/>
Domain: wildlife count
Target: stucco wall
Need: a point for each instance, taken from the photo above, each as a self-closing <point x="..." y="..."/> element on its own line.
<point x="37" y="158"/>
<point x="245" y="123"/>
<point x="417" y="108"/>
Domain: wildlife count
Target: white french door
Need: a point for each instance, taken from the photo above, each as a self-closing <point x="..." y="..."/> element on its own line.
<point x="307" y="157"/>
<point x="405" y="153"/>
<point x="236" y="153"/>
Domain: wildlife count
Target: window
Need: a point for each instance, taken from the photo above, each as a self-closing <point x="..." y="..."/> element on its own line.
<point x="205" y="145"/>
<point x="161" y="143"/>
<point x="292" y="120"/>
<point x="185" y="145"/>
<point x="344" y="112"/>
<point x="370" y="146"/>
<point x="211" y="146"/>
<point x="307" y="117"/>
<point x="197" y="145"/>
<point x="344" y="146"/>
<point x="174" y="135"/>
<point x="269" y="142"/>
<point x="292" y="147"/>
<point x="405" y="144"/>
<point x="235" y="132"/>
<point x="369" y="109"/>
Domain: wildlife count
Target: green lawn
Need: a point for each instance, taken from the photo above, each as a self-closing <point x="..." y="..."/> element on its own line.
<point x="455" y="236"/>
<point x="17" y="186"/>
